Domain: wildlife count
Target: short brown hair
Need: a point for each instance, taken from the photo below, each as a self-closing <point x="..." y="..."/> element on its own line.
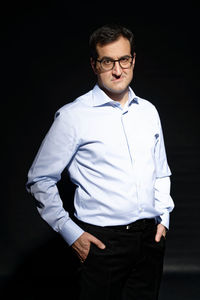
<point x="107" y="34"/>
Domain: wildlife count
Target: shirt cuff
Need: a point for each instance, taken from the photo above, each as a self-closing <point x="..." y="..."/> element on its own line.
<point x="70" y="232"/>
<point x="165" y="219"/>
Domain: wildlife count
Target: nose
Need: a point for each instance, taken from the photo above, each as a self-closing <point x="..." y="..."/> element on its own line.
<point x="117" y="70"/>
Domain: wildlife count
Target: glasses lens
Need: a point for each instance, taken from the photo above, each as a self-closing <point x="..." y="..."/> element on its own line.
<point x="107" y="64"/>
<point x="125" y="61"/>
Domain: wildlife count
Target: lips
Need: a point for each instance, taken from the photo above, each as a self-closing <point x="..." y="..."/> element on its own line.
<point x="120" y="78"/>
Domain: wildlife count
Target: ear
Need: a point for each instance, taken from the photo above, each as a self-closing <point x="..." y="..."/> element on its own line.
<point x="134" y="57"/>
<point x="93" y="65"/>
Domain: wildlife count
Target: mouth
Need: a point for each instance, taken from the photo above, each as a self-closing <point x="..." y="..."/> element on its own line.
<point x="117" y="78"/>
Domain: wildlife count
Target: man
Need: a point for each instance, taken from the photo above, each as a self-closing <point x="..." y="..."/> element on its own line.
<point x="112" y="145"/>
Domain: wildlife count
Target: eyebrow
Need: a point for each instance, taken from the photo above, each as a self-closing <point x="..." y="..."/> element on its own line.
<point x="108" y="57"/>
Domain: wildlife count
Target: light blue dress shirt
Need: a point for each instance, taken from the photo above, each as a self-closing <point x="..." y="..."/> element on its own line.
<point x="116" y="158"/>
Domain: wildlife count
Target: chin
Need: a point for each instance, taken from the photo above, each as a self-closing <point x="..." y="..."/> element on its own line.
<point x="117" y="90"/>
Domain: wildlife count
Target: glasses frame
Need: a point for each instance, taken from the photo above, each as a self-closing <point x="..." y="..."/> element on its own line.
<point x="114" y="61"/>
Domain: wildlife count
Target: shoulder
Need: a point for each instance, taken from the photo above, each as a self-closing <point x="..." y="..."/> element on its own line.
<point x="147" y="106"/>
<point x="76" y="107"/>
<point x="144" y="103"/>
<point x="148" y="112"/>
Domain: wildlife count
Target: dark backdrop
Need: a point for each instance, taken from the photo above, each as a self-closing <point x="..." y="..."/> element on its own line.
<point x="45" y="64"/>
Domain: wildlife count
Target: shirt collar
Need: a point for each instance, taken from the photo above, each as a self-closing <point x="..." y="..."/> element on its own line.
<point x="100" y="98"/>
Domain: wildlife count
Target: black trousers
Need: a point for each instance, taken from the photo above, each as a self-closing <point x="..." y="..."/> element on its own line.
<point x="131" y="266"/>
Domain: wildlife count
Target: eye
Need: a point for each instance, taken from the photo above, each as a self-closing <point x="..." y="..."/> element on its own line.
<point x="125" y="59"/>
<point x="107" y="61"/>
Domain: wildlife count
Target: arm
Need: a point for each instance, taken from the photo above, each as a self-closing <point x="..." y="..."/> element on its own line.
<point x="55" y="153"/>
<point x="164" y="203"/>
<point x="163" y="200"/>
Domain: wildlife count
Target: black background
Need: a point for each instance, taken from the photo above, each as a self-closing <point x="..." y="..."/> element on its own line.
<point x="45" y="64"/>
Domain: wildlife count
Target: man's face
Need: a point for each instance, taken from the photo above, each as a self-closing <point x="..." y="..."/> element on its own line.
<point x="115" y="81"/>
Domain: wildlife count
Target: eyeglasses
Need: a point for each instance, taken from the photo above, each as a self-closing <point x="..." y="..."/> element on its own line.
<point x="108" y="64"/>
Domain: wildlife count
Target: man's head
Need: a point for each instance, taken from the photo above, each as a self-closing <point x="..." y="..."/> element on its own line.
<point x="112" y="52"/>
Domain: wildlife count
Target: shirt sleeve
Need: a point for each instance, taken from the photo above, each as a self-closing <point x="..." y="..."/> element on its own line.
<point x="162" y="168"/>
<point x="163" y="200"/>
<point x="55" y="153"/>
